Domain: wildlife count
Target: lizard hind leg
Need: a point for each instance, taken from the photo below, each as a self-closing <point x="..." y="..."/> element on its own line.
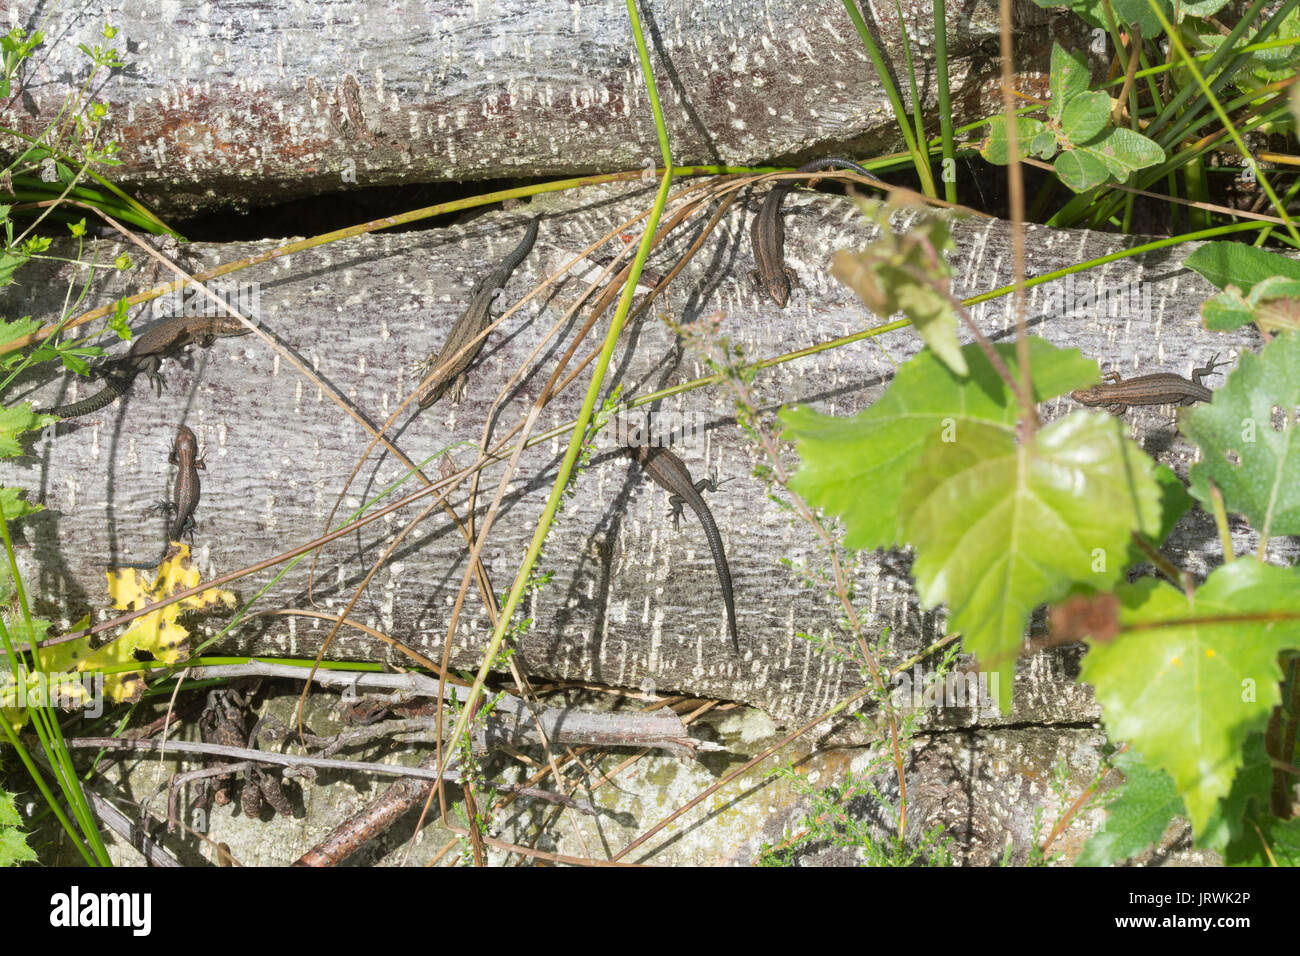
<point x="678" y="503"/>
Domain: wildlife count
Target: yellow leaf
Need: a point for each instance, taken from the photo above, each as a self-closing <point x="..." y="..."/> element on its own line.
<point x="158" y="636"/>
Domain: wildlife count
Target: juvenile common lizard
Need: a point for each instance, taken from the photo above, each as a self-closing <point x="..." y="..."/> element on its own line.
<point x="670" y="472"/>
<point x="185" y="491"/>
<point x="469" y="326"/>
<point x="1159" y="388"/>
<point x="768" y="231"/>
<point x="146" y="354"/>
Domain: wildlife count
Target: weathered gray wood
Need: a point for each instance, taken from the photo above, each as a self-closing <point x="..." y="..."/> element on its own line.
<point x="242" y="103"/>
<point x="632" y="600"/>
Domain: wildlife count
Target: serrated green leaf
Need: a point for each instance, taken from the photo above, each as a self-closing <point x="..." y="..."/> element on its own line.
<point x="1187" y="695"/>
<point x="1235" y="263"/>
<point x="13" y="843"/>
<point x="1254" y="462"/>
<point x="1250" y="792"/>
<point x="1136" y="816"/>
<point x="1273" y="305"/>
<point x="1267" y="842"/>
<point x="1000" y="529"/>
<point x="17" y="328"/>
<point x="856" y="467"/>
<point x="10" y="262"/>
<point x="74" y="361"/>
<point x="14" y="505"/>
<point x="17" y="420"/>
<point x="1084" y="116"/>
<point x="1174" y="503"/>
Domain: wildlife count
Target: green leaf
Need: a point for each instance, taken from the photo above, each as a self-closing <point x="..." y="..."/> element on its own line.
<point x="1200" y="8"/>
<point x="908" y="273"/>
<point x="1144" y="805"/>
<point x="1250" y="792"/>
<point x="1115" y="153"/>
<point x="13" y="843"/>
<point x="1044" y="144"/>
<point x="1273" y="305"/>
<point x="1137" y="815"/>
<point x="1068" y="78"/>
<point x="1125" y="152"/>
<point x="14" y="421"/>
<point x="1227" y="311"/>
<point x="15" y="505"/>
<point x="1125" y="11"/>
<point x="1084" y="116"/>
<point x="10" y="262"/>
<point x="1267" y="841"/>
<point x="1080" y="170"/>
<point x="995" y="146"/>
<point x="1254" y="462"/>
<point x="18" y="328"/>
<point x="74" y="362"/>
<point x="119" y="320"/>
<point x="1225" y="263"/>
<point x="1140" y="14"/>
<point x="856" y="467"/>
<point x="1000" y="529"/>
<point x="1174" y="503"/>
<point x="1186" y="695"/>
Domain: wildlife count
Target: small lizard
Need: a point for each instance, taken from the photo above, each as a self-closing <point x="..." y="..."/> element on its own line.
<point x="185" y="492"/>
<point x="768" y="231"/>
<point x="1160" y="388"/>
<point x="468" y="327"/>
<point x="146" y="354"/>
<point x="670" y="472"/>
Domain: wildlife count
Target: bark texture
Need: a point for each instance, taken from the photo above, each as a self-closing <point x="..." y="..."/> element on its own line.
<point x="243" y="103"/>
<point x="632" y="601"/>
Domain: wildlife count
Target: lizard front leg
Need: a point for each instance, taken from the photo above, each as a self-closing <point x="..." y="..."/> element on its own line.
<point x="1207" y="369"/>
<point x="150" y="367"/>
<point x="709" y="484"/>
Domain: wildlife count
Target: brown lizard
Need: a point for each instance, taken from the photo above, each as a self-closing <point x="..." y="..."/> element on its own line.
<point x="768" y="231"/>
<point x="147" y="351"/>
<point x="185" y="493"/>
<point x="1158" y="388"/>
<point x="671" y="473"/>
<point x="470" y="327"/>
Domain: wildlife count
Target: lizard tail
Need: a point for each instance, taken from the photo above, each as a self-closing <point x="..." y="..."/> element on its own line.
<point x="101" y="399"/>
<point x="836" y="162"/>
